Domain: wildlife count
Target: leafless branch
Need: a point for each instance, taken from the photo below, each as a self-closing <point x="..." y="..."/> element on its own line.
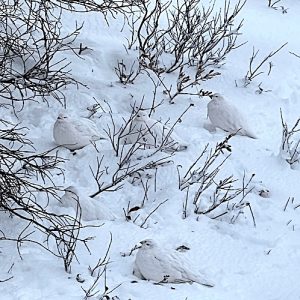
<point x="272" y="4"/>
<point x="25" y="177"/>
<point x="297" y="55"/>
<point x="212" y="198"/>
<point x="126" y="74"/>
<point x="152" y="212"/>
<point x="194" y="40"/>
<point x="32" y="67"/>
<point x="290" y="143"/>
<point x="132" y="160"/>
<point x="4" y="280"/>
<point x="102" y="261"/>
<point x="105" y="7"/>
<point x="98" y="272"/>
<point x="255" y="71"/>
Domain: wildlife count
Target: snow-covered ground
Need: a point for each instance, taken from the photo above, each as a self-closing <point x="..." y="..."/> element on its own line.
<point x="244" y="261"/>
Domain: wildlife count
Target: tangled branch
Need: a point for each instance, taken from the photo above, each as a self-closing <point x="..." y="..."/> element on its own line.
<point x="290" y="143"/>
<point x="26" y="177"/>
<point x="32" y="66"/>
<point x="212" y="198"/>
<point x="255" y="71"/>
<point x="186" y="38"/>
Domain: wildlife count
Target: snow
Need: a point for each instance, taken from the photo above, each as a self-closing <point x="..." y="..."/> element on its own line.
<point x="244" y="262"/>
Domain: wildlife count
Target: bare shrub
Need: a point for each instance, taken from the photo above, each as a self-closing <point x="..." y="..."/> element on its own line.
<point x="135" y="134"/>
<point x="290" y="143"/>
<point x="186" y="38"/>
<point x="273" y="3"/>
<point x="105" y="7"/>
<point x="256" y="70"/>
<point x="98" y="272"/>
<point x="211" y="197"/>
<point x="142" y="154"/>
<point x="32" y="66"/>
<point x="26" y="177"/>
<point x="123" y="170"/>
<point x="125" y="73"/>
<point x="227" y="200"/>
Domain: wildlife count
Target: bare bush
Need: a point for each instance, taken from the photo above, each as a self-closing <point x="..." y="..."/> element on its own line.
<point x="212" y="198"/>
<point x="124" y="170"/>
<point x="101" y="261"/>
<point x="228" y="200"/>
<point x="141" y="132"/>
<point x="130" y="210"/>
<point x="126" y="74"/>
<point x="183" y="84"/>
<point x="32" y="66"/>
<point x="133" y="213"/>
<point x="142" y="154"/>
<point x="98" y="272"/>
<point x="290" y="143"/>
<point x="105" y="7"/>
<point x="273" y="3"/>
<point x="291" y="203"/>
<point x="152" y="212"/>
<point x="186" y="38"/>
<point x="257" y="70"/>
<point x="204" y="174"/>
<point x="26" y="176"/>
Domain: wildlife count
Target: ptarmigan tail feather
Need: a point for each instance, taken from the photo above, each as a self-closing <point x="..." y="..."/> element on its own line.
<point x="201" y="280"/>
<point x="247" y="133"/>
<point x="250" y="135"/>
<point x="206" y="284"/>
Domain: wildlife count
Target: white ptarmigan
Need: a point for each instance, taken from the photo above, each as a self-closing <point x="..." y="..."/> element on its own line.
<point x="162" y="265"/>
<point x="226" y="116"/>
<point x="152" y="133"/>
<point x="91" y="209"/>
<point x="75" y="133"/>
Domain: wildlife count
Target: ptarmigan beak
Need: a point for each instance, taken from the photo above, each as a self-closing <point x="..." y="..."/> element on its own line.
<point x="136" y="247"/>
<point x="140" y="244"/>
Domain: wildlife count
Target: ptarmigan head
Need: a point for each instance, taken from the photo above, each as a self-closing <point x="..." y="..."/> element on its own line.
<point x="71" y="191"/>
<point x="141" y="115"/>
<point x="148" y="244"/>
<point x="216" y="96"/>
<point x="62" y="117"/>
<point x="71" y="195"/>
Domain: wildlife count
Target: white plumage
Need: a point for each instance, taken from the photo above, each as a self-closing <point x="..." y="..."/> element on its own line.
<point x="152" y="133"/>
<point x="91" y="209"/>
<point x="75" y="133"/>
<point x="162" y="265"/>
<point x="226" y="116"/>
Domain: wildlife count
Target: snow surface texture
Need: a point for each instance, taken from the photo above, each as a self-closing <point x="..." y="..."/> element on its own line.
<point x="244" y="262"/>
